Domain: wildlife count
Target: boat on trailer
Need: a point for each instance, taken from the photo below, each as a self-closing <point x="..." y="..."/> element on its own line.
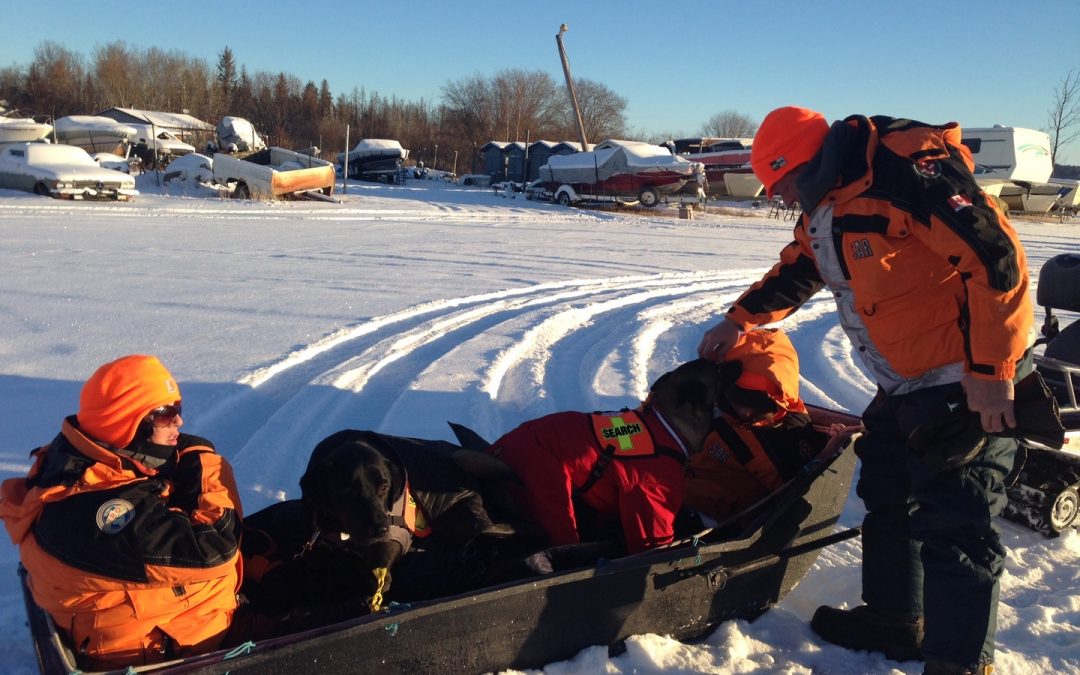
<point x="736" y="570"/>
<point x="21" y="129"/>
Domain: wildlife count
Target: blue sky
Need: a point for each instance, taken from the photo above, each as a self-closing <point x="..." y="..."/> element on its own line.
<point x="677" y="64"/>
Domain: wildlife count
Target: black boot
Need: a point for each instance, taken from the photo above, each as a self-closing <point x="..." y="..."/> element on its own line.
<point x="939" y="667"/>
<point x="864" y="628"/>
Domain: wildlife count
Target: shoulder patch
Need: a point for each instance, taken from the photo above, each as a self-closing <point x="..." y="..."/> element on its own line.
<point x="114" y="514"/>
<point x="928" y="168"/>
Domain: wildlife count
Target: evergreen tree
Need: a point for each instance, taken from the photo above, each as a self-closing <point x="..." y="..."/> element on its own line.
<point x="226" y="78"/>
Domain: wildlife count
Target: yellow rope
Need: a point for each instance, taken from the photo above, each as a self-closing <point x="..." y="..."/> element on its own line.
<point x="375" y="604"/>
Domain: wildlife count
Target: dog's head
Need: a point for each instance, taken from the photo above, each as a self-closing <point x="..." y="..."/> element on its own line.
<point x="350" y="486"/>
<point x="688" y="396"/>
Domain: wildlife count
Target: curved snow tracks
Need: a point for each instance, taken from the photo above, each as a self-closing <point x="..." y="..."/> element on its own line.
<point x="495" y="359"/>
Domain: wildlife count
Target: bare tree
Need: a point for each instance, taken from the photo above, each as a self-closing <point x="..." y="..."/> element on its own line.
<point x="602" y="110"/>
<point x="1064" y="115"/>
<point x="54" y="82"/>
<point x="113" y="75"/>
<point x="729" y="124"/>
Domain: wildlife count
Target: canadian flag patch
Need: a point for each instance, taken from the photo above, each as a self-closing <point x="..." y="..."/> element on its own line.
<point x="959" y="202"/>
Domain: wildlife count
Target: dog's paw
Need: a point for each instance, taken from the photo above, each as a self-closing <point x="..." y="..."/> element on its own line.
<point x="497" y="530"/>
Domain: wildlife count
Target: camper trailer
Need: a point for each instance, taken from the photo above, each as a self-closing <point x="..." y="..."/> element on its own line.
<point x="1014" y="164"/>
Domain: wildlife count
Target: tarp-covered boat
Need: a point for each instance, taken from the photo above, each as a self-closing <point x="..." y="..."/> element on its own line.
<point x="238" y="132"/>
<point x="93" y="133"/>
<point x="683" y="590"/>
<point x="620" y="170"/>
<point x="377" y="159"/>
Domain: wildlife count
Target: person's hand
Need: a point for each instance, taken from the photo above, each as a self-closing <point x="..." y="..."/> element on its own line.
<point x="718" y="340"/>
<point x="992" y="400"/>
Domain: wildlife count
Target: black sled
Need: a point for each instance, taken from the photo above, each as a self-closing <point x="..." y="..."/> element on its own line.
<point x="1045" y="481"/>
<point x="683" y="590"/>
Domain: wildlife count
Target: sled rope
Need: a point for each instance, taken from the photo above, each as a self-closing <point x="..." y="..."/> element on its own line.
<point x="239" y="650"/>
<point x="375" y="604"/>
<point x="696" y="543"/>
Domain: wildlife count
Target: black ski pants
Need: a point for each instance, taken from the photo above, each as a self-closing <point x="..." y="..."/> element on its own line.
<point x="930" y="544"/>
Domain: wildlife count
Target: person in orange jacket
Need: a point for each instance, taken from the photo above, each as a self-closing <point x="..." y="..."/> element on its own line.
<point x="129" y="529"/>
<point x="931" y="286"/>
<point x="761" y="438"/>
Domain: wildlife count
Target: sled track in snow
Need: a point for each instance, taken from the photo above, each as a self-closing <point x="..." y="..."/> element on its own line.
<point x="495" y="359"/>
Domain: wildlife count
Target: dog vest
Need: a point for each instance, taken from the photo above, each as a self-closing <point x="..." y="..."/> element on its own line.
<point x="623" y="435"/>
<point x="408" y="514"/>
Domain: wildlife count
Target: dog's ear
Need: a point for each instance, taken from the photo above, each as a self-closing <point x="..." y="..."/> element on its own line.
<point x="467" y="438"/>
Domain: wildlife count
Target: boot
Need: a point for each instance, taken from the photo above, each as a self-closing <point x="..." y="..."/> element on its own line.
<point x="864" y="628"/>
<point x="939" y="667"/>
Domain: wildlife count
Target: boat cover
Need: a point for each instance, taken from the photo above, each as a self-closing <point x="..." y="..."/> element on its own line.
<point x="88" y="126"/>
<point x="375" y="148"/>
<point x="239" y="131"/>
<point x="602" y="164"/>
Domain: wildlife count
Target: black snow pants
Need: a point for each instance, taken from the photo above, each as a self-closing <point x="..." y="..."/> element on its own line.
<point x="930" y="544"/>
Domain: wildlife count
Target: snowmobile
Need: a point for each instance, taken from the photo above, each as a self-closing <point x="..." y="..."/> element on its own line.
<point x="1045" y="481"/>
<point x="735" y="570"/>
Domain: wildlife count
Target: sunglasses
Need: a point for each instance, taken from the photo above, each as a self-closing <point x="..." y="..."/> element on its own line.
<point x="164" y="416"/>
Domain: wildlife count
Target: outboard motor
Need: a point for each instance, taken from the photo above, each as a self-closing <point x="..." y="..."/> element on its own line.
<point x="1043" y="492"/>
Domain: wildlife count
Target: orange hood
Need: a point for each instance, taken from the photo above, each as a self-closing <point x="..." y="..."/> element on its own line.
<point x="771" y="365"/>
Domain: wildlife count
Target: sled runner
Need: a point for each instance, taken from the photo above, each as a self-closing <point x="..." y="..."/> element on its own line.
<point x="734" y="571"/>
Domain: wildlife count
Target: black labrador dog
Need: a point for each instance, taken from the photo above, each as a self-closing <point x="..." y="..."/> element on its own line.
<point x="368" y="499"/>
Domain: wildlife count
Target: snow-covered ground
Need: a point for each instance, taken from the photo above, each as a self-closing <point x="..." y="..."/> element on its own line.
<point x="404" y="307"/>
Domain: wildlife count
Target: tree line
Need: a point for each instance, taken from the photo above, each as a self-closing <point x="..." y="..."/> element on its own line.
<point x="510" y="105"/>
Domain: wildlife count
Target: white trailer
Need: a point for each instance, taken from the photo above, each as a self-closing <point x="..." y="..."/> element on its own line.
<point x="1013" y="164"/>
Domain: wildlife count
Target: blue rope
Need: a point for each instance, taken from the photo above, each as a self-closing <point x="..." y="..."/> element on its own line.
<point x="241" y="650"/>
<point x="391" y="628"/>
<point x="696" y="543"/>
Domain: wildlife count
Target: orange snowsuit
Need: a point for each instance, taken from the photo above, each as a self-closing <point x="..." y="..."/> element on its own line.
<point x="135" y="566"/>
<point x="740" y="464"/>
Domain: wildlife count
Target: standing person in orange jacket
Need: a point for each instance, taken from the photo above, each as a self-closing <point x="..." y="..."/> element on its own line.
<point x="931" y="285"/>
<point x="761" y="438"/>
<point x="129" y="529"/>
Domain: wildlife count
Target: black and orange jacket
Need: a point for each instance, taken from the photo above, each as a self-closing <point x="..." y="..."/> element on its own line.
<point x="740" y="465"/>
<point x="929" y="277"/>
<point x="136" y="565"/>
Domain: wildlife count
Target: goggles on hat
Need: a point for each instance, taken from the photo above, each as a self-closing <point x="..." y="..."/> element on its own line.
<point x="164" y="416"/>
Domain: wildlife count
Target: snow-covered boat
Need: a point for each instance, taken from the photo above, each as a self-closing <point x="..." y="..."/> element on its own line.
<point x="377" y="159"/>
<point x="618" y="171"/>
<point x="237" y="134"/>
<point x="93" y="133"/>
<point x="683" y="590"/>
<point x="722" y="157"/>
<point x="22" y="129"/>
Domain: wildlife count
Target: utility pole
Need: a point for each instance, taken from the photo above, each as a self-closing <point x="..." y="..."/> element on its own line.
<point x="570" y="87"/>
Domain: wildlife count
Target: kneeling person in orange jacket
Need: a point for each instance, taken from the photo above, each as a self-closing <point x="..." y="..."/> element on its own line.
<point x="128" y="528"/>
<point x="761" y="437"/>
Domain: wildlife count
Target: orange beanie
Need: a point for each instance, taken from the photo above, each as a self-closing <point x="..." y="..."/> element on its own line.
<point x="119" y="395"/>
<point x="787" y="138"/>
<point x="770" y="364"/>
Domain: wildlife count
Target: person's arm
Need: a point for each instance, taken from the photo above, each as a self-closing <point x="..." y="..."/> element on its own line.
<point x="782" y="290"/>
<point x="200" y="522"/>
<point x="996" y="312"/>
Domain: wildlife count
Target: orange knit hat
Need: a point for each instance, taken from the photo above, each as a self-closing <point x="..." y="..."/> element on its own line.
<point x="787" y="138"/>
<point x="119" y="395"/>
